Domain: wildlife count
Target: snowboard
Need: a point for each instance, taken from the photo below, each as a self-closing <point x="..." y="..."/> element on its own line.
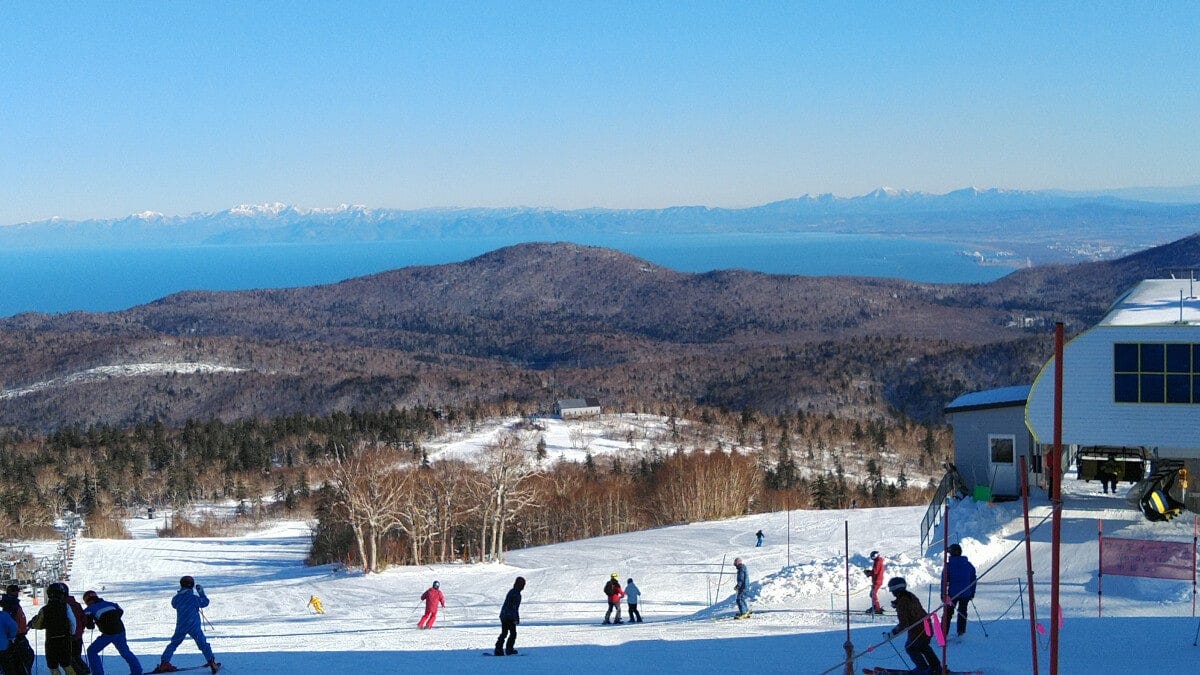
<point x="881" y="670"/>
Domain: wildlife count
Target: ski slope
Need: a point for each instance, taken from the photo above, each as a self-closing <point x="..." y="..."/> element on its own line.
<point x="261" y="623"/>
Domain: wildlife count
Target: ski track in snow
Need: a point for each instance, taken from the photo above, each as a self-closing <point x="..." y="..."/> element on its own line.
<point x="260" y="589"/>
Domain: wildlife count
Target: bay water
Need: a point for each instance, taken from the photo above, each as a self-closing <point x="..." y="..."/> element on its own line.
<point x="107" y="279"/>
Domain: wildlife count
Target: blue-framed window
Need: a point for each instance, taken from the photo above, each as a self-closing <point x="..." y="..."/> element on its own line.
<point x="1156" y="372"/>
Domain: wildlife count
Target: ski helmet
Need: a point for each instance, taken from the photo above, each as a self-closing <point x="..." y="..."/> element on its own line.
<point x="737" y="561"/>
<point x="874" y="555"/>
<point x="955" y="550"/>
<point x="186" y="581"/>
<point x="897" y="584"/>
<point x="55" y="590"/>
<point x="614" y="575"/>
<point x="519" y="584"/>
<point x="628" y="581"/>
<point x="436" y="585"/>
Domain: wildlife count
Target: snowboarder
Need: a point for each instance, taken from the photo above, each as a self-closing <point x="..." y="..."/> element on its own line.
<point x="11" y="602"/>
<point x="613" y="592"/>
<point x="632" y="593"/>
<point x="741" y="586"/>
<point x="315" y="603"/>
<point x="77" y="662"/>
<point x="759" y="536"/>
<point x="958" y="581"/>
<point x="10" y="658"/>
<point x="1109" y="472"/>
<point x="510" y="616"/>
<point x="57" y="619"/>
<point x="875" y="573"/>
<point x="188" y="602"/>
<point x="106" y="616"/>
<point x="432" y="597"/>
<point x="913" y="618"/>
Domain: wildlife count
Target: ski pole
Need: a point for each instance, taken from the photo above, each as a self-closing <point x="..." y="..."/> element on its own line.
<point x="892" y="642"/>
<point x="210" y="625"/>
<point x="979" y="618"/>
<point x="1197" y="634"/>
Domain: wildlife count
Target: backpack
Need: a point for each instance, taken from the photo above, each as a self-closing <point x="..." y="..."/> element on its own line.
<point x="608" y="588"/>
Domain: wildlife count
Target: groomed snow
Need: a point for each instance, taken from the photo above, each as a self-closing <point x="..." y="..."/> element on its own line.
<point x="260" y="589"/>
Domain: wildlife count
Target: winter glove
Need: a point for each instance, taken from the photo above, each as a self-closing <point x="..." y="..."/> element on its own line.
<point x="867" y="571"/>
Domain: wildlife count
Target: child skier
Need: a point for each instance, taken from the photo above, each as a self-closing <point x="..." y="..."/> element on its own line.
<point x="741" y="586"/>
<point x="875" y="573"/>
<point x="959" y="580"/>
<point x="913" y="618"/>
<point x="510" y="616"/>
<point x="613" y="592"/>
<point x="432" y="597"/>
<point x="632" y="593"/>
<point x="106" y="616"/>
<point x="188" y="602"/>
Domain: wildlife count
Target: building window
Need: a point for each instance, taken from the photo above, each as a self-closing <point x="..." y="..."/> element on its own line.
<point x="1156" y="372"/>
<point x="1002" y="449"/>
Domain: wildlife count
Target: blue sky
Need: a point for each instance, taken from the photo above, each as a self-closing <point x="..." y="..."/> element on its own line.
<point x="115" y="108"/>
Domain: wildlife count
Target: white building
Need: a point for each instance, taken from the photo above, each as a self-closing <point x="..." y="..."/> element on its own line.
<point x="576" y="407"/>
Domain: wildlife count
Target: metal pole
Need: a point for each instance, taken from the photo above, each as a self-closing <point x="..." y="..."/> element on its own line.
<point x="787" y="505"/>
<point x="849" y="646"/>
<point x="1100" y="568"/>
<point x="1033" y="642"/>
<point x="1056" y="501"/>
<point x="945" y="585"/>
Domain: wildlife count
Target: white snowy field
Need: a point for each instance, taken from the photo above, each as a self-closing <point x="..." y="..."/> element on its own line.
<point x="261" y="623"/>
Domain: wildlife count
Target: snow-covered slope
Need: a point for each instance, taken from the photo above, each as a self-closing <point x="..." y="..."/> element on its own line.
<point x="260" y="589"/>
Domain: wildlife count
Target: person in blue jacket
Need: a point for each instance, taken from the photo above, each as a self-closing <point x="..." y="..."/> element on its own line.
<point x="510" y="616"/>
<point x="741" y="586"/>
<point x="188" y="602"/>
<point x="105" y="615"/>
<point x="959" y="584"/>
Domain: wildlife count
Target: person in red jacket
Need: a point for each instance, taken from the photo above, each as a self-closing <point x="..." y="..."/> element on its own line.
<point x="432" y="597"/>
<point x="77" y="663"/>
<point x="875" y="572"/>
<point x="612" y="590"/>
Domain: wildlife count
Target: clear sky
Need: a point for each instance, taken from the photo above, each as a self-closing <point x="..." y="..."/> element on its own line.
<point x="111" y="108"/>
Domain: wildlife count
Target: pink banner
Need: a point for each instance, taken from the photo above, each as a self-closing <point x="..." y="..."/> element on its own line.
<point x="1144" y="558"/>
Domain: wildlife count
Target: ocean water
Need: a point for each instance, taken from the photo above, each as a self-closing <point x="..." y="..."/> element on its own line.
<point x="63" y="280"/>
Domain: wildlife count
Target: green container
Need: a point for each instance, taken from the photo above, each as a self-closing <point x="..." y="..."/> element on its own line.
<point x="983" y="493"/>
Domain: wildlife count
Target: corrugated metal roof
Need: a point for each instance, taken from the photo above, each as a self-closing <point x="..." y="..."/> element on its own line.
<point x="991" y="398"/>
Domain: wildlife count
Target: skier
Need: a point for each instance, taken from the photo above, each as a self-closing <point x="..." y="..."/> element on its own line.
<point x="10" y="657"/>
<point x="510" y="616"/>
<point x="741" y="586"/>
<point x="632" y="593"/>
<point x="58" y="621"/>
<point x="613" y="592"/>
<point x="188" y="602"/>
<point x="1109" y="472"/>
<point x="77" y="662"/>
<point x="913" y="618"/>
<point x="11" y="602"/>
<point x="759" y="536"/>
<point x="958" y="581"/>
<point x="106" y="616"/>
<point x="432" y="598"/>
<point x="875" y="572"/>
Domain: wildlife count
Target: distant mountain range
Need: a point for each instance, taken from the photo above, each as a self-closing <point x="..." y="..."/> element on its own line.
<point x="1041" y="225"/>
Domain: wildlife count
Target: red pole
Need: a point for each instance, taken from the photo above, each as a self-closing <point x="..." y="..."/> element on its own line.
<point x="1033" y="643"/>
<point x="1056" y="477"/>
<point x="945" y="591"/>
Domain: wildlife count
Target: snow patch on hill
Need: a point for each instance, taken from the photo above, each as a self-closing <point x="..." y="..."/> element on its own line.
<point x="123" y="370"/>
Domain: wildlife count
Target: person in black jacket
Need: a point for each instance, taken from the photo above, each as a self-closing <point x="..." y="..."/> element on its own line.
<point x="106" y="616"/>
<point x="58" y="621"/>
<point x="510" y="616"/>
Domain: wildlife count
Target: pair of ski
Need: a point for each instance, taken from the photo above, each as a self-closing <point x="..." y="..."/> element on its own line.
<point x="180" y="670"/>
<point x="881" y="670"/>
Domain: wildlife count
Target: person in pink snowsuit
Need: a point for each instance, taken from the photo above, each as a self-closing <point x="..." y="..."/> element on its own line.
<point x="433" y="598"/>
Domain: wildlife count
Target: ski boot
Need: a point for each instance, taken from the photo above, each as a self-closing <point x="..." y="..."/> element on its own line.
<point x="164" y="667"/>
<point x="213" y="665"/>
